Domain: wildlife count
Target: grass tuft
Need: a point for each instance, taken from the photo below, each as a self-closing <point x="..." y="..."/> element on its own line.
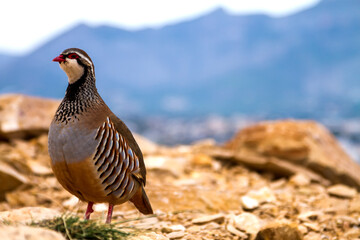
<point x="74" y="228"/>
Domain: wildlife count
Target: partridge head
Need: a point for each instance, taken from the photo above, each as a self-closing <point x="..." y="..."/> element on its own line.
<point x="93" y="153"/>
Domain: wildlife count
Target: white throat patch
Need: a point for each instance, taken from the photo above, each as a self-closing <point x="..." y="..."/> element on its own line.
<point x="73" y="69"/>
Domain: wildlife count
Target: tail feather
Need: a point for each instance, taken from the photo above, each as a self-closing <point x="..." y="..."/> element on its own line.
<point x="141" y="201"/>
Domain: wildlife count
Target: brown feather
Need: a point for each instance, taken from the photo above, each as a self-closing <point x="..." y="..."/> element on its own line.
<point x="125" y="132"/>
<point x="141" y="201"/>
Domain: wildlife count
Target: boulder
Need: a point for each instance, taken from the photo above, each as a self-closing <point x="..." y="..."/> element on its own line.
<point x="27" y="215"/>
<point x="22" y="116"/>
<point x="10" y="179"/>
<point x="28" y="233"/>
<point x="291" y="147"/>
<point x="279" y="231"/>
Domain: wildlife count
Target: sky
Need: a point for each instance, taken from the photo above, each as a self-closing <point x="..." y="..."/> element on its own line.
<point x="25" y="24"/>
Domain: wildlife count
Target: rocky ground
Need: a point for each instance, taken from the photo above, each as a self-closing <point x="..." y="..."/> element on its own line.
<point x="274" y="180"/>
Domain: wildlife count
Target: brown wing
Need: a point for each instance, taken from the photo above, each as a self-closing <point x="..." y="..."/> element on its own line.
<point x="126" y="133"/>
<point x="116" y="162"/>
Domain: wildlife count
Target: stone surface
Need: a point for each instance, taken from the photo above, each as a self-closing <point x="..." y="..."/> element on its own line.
<point x="198" y="195"/>
<point x="310" y="215"/>
<point x="249" y="203"/>
<point x="276" y="231"/>
<point x="340" y="190"/>
<point x="176" y="235"/>
<point x="28" y="214"/>
<point x="218" y="218"/>
<point x="175" y="165"/>
<point x="300" y="180"/>
<point x="22" y="115"/>
<point x="28" y="233"/>
<point x="246" y="222"/>
<point x="149" y="236"/>
<point x="232" y="229"/>
<point x="147" y="147"/>
<point x="262" y="195"/>
<point x="38" y="168"/>
<point x="307" y="145"/>
<point x="10" y="179"/>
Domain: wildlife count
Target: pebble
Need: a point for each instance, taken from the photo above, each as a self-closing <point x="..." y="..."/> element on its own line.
<point x="28" y="233"/>
<point x="39" y="169"/>
<point x="231" y="228"/>
<point x="300" y="180"/>
<point x="313" y="236"/>
<point x="312" y="226"/>
<point x="340" y="190"/>
<point x="246" y="222"/>
<point x="71" y="202"/>
<point x="279" y="231"/>
<point x="172" y="228"/>
<point x="149" y="236"/>
<point x="218" y="218"/>
<point x="29" y="214"/>
<point x="249" y="203"/>
<point x="310" y="216"/>
<point x="262" y="195"/>
<point x="176" y="235"/>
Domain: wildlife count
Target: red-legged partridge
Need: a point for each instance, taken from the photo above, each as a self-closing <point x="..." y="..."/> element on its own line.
<point x="94" y="155"/>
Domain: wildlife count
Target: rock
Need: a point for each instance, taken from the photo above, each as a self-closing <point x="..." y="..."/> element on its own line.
<point x="246" y="222"/>
<point x="232" y="229"/>
<point x="28" y="233"/>
<point x="71" y="202"/>
<point x="262" y="195"/>
<point x="218" y="218"/>
<point x="176" y="235"/>
<point x="355" y="204"/>
<point x="313" y="236"/>
<point x="28" y="214"/>
<point x="39" y="169"/>
<point x="147" y="223"/>
<point x="147" y="147"/>
<point x="312" y="226"/>
<point x="300" y="180"/>
<point x="149" y="236"/>
<point x="175" y="165"/>
<point x="22" y="116"/>
<point x="290" y="147"/>
<point x="302" y="229"/>
<point x="279" y="231"/>
<point x="310" y="216"/>
<point x="249" y="203"/>
<point x="278" y="183"/>
<point x="173" y="228"/>
<point x="100" y="207"/>
<point x="353" y="233"/>
<point x="10" y="179"/>
<point x="202" y="160"/>
<point x="342" y="191"/>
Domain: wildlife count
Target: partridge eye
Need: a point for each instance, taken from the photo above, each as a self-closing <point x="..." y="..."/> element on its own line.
<point x="73" y="56"/>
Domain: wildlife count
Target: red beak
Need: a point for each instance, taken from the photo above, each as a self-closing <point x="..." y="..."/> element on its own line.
<point x="59" y="58"/>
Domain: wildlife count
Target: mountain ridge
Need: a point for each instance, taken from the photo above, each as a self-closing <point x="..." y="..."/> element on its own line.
<point x="305" y="63"/>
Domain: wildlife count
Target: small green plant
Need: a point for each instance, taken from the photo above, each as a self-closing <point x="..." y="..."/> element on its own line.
<point x="74" y="228"/>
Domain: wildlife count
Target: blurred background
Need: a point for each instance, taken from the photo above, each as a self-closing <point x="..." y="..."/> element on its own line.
<point x="178" y="72"/>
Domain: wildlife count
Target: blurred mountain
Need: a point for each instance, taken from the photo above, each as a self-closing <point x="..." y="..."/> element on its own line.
<point x="306" y="64"/>
<point x="6" y="60"/>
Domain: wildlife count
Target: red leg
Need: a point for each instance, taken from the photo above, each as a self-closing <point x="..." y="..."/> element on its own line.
<point x="89" y="210"/>
<point x="109" y="215"/>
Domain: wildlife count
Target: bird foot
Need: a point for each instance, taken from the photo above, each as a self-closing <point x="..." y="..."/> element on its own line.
<point x="109" y="215"/>
<point x="89" y="210"/>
